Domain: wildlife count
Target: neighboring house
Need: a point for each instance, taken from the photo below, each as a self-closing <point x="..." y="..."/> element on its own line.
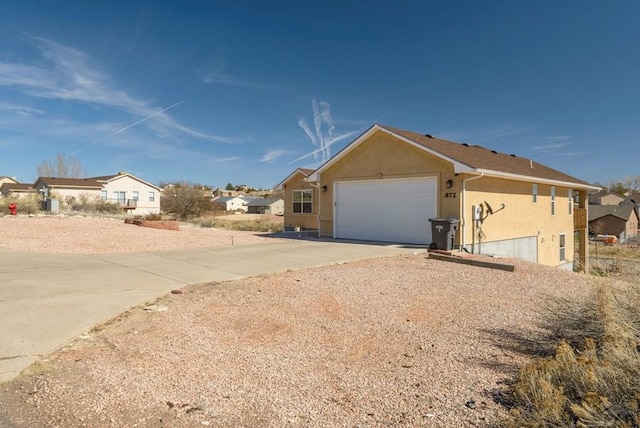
<point x="6" y="179"/>
<point x="300" y="201"/>
<point x="130" y="193"/>
<point x="232" y="203"/>
<point x="67" y="189"/>
<point x="266" y="206"/>
<point x="619" y="220"/>
<point x="605" y="197"/>
<point x="388" y="183"/>
<point x="16" y="190"/>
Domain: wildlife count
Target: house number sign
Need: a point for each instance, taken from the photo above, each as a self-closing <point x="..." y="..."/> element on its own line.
<point x="450" y="195"/>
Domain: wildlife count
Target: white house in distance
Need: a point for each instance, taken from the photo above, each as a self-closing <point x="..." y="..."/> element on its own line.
<point x="128" y="191"/>
<point x="232" y="203"/>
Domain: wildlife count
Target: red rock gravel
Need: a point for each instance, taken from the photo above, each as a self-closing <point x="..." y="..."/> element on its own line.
<point x="89" y="235"/>
<point x="402" y="341"/>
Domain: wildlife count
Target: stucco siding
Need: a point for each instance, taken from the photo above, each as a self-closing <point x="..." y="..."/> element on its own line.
<point x="302" y="220"/>
<point x="381" y="157"/>
<point x="521" y="216"/>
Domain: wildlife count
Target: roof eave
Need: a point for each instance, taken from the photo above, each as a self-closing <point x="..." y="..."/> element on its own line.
<point x="499" y="174"/>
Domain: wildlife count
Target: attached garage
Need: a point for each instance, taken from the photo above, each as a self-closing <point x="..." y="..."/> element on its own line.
<point x="387" y="210"/>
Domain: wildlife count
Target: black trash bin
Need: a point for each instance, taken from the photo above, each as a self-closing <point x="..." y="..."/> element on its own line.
<point x="443" y="233"/>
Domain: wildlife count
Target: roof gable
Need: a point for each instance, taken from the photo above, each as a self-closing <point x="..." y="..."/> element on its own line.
<point x="468" y="159"/>
<point x="120" y="175"/>
<point x="305" y="172"/>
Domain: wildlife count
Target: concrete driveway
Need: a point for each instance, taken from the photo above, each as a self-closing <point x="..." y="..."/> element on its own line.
<point x="47" y="300"/>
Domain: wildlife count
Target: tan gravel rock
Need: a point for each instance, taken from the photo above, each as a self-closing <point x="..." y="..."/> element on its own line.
<point x="89" y="235"/>
<point x="400" y="341"/>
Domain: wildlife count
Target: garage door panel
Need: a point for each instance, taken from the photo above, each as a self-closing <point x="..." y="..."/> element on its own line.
<point x="385" y="210"/>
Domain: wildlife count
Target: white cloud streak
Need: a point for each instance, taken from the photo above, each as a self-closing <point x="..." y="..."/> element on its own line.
<point x="213" y="78"/>
<point x="69" y="76"/>
<point x="273" y="155"/>
<point x="20" y="110"/>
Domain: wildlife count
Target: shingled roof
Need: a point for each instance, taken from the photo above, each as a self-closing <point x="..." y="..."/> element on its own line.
<point x="474" y="158"/>
<point x="620" y="211"/>
<point x="70" y="182"/>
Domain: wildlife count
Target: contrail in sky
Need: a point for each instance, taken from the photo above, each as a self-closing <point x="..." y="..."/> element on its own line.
<point x="141" y="120"/>
<point x="131" y="125"/>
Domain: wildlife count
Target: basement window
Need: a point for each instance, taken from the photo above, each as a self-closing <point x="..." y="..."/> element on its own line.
<point x="303" y="201"/>
<point x="562" y="247"/>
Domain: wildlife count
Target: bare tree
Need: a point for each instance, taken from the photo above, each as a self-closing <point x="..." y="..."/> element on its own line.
<point x="632" y="184"/>
<point x="61" y="167"/>
<point x="186" y="200"/>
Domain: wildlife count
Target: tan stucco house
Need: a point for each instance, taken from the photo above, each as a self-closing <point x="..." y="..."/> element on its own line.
<point x="131" y="193"/>
<point x="605" y="197"/>
<point x="388" y="183"/>
<point x="300" y="200"/>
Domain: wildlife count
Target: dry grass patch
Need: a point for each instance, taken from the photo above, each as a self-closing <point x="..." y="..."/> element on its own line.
<point x="592" y="379"/>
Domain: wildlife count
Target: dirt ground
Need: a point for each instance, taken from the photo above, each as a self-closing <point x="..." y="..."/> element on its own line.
<point x="398" y="341"/>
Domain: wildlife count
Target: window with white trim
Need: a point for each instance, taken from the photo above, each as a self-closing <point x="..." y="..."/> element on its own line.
<point x="104" y="195"/>
<point x="570" y="195"/>
<point x="152" y="196"/>
<point x="534" y="193"/>
<point x="135" y="195"/>
<point x="303" y="201"/>
<point x="562" y="244"/>
<point x="553" y="200"/>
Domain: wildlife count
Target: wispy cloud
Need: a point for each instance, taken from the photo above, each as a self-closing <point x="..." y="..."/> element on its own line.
<point x="216" y="78"/>
<point x="20" y="110"/>
<point x="226" y="159"/>
<point x="273" y="155"/>
<point x="549" y="147"/>
<point x="490" y="133"/>
<point x="322" y="135"/>
<point x="70" y="76"/>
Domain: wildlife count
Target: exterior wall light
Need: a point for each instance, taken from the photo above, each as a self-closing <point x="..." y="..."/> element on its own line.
<point x="449" y="184"/>
<point x="324" y="188"/>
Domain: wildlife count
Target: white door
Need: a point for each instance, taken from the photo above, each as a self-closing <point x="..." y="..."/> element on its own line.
<point x="385" y="210"/>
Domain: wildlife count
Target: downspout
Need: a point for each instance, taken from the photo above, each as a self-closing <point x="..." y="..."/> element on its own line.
<point x="464" y="220"/>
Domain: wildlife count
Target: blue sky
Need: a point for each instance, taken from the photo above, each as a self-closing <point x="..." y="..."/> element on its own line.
<point x="239" y="91"/>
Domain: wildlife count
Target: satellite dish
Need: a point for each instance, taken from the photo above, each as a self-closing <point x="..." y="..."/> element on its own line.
<point x="489" y="209"/>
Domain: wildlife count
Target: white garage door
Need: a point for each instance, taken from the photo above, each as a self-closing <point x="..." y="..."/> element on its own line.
<point x="385" y="210"/>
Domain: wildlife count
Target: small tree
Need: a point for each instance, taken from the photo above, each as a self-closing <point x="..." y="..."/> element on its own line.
<point x="230" y="187"/>
<point x="186" y="200"/>
<point x="632" y="184"/>
<point x="62" y="167"/>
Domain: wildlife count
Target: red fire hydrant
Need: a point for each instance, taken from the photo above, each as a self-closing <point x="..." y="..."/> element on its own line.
<point x="13" y="208"/>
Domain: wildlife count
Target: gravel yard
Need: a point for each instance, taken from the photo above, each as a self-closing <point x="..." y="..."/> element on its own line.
<point x="397" y="341"/>
<point x="88" y="235"/>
